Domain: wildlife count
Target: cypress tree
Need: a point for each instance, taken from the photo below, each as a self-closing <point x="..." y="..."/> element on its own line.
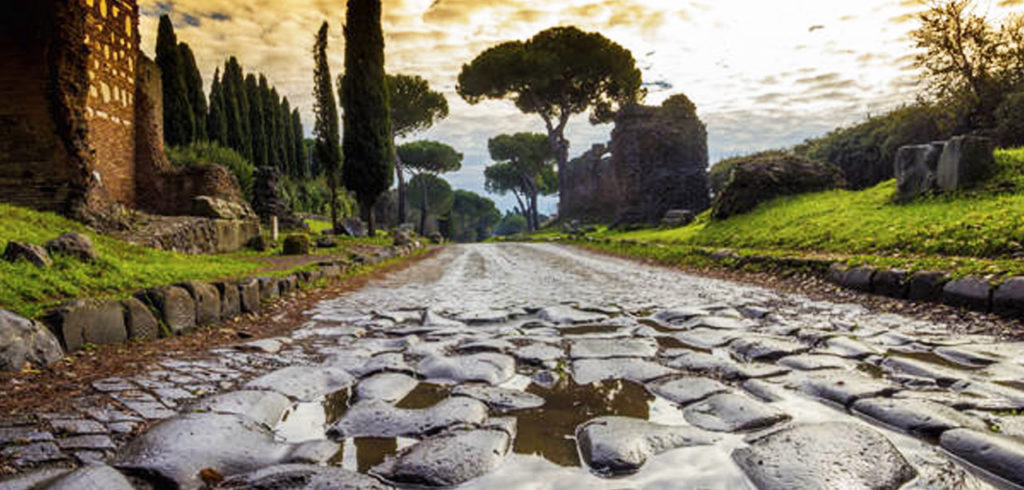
<point x="285" y="123"/>
<point x="268" y="129"/>
<point x="299" y="147"/>
<point x="194" y="89"/>
<point x="217" y="122"/>
<point x="257" y="128"/>
<point x="280" y="132"/>
<point x="327" y="147"/>
<point x="237" y="108"/>
<point x="364" y="98"/>
<point x="179" y="124"/>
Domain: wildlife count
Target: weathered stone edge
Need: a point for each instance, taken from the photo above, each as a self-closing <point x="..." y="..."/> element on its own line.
<point x="281" y="286"/>
<point x="972" y="292"/>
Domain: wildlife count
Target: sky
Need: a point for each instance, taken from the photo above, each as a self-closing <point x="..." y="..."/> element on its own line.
<point x="763" y="74"/>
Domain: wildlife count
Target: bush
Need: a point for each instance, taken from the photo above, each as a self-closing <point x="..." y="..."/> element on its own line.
<point x="866" y="152"/>
<point x="721" y="172"/>
<point x="765" y="176"/>
<point x="312" y="196"/>
<point x="511" y="224"/>
<point x="297" y="244"/>
<point x="1010" y="120"/>
<point x="205" y="153"/>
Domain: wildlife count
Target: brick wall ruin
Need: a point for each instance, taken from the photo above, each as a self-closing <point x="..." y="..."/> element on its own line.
<point x="112" y="37"/>
<point x="81" y="123"/>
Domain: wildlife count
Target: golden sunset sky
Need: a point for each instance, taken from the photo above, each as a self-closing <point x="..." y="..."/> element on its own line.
<point x="763" y="73"/>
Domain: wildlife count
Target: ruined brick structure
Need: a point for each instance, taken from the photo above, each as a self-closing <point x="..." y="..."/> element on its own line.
<point x="657" y="161"/>
<point x="81" y="114"/>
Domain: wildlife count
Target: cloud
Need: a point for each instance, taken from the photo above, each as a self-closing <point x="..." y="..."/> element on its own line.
<point x="751" y="87"/>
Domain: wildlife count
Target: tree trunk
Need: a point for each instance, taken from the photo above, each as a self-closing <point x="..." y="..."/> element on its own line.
<point x="423" y="208"/>
<point x="561" y="148"/>
<point x="333" y="184"/>
<point x="400" y="173"/>
<point x="366" y="212"/>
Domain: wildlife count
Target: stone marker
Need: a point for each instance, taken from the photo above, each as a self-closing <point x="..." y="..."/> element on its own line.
<point x="964" y="161"/>
<point x="916" y="167"/>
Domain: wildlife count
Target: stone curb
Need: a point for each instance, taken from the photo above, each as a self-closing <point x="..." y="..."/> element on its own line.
<point x="165" y="311"/>
<point x="971" y="293"/>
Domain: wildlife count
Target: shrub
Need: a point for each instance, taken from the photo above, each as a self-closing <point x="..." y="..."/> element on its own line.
<point x="511" y="224"/>
<point x="205" y="153"/>
<point x="312" y="196"/>
<point x="721" y="172"/>
<point x="765" y="176"/>
<point x="297" y="244"/>
<point x="1010" y="120"/>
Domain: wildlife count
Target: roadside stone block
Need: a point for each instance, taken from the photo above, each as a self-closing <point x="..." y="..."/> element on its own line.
<point x="927" y="286"/>
<point x="891" y="282"/>
<point x="230" y="300"/>
<point x="836" y="273"/>
<point x="964" y="161"/>
<point x="331" y="271"/>
<point x="174" y="306"/>
<point x="973" y="293"/>
<point x="288" y="284"/>
<point x="207" y="301"/>
<point x="249" y="295"/>
<point x="269" y="288"/>
<point x="1008" y="298"/>
<point x="859" y="279"/>
<point x="88" y="321"/>
<point x="139" y="320"/>
<point x="995" y="453"/>
<point x="23" y="340"/>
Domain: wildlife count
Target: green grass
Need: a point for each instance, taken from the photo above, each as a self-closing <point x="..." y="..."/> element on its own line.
<point x="317" y="227"/>
<point x="122" y="268"/>
<point x="977" y="231"/>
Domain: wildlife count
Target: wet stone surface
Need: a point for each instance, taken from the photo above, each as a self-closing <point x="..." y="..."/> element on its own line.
<point x="538" y="366"/>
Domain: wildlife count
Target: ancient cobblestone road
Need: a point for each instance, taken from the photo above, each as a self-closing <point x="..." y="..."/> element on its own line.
<point x="539" y="366"/>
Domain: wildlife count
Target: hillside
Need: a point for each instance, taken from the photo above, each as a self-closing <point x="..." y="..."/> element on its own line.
<point x="981" y="229"/>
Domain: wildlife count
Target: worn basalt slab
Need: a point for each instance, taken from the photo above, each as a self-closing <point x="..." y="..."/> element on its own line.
<point x="448" y="459"/>
<point x="564" y="314"/>
<point x="375" y="418"/>
<point x="840" y="387"/>
<point x="608" y="348"/>
<point x="174" y="452"/>
<point x="487" y="367"/>
<point x="304" y="476"/>
<point x="586" y="371"/>
<point x="758" y="348"/>
<point x="720" y="367"/>
<point x="835" y="455"/>
<point x="622" y="445"/>
<point x="733" y="412"/>
<point x="91" y="477"/>
<point x="919" y="417"/>
<point x="684" y="390"/>
<point x="265" y="407"/>
<point x="306" y="383"/>
<point x="1000" y="455"/>
<point x="500" y="399"/>
<point x="386" y="387"/>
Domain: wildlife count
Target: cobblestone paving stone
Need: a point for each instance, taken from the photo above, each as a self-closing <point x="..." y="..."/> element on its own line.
<point x="539" y="366"/>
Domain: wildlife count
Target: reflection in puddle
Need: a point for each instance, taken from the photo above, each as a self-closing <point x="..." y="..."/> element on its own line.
<point x="548" y="431"/>
<point x="425" y="395"/>
<point x="309" y="421"/>
<point x="372" y="451"/>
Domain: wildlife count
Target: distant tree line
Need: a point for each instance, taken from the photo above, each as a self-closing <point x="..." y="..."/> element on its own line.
<point x="244" y="112"/>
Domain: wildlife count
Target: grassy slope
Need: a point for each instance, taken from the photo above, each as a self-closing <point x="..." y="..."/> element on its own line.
<point x="975" y="231"/>
<point x="122" y="268"/>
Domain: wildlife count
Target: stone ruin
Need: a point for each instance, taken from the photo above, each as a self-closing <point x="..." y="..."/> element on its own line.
<point x="657" y="161"/>
<point x="942" y="166"/>
<point x="81" y="125"/>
